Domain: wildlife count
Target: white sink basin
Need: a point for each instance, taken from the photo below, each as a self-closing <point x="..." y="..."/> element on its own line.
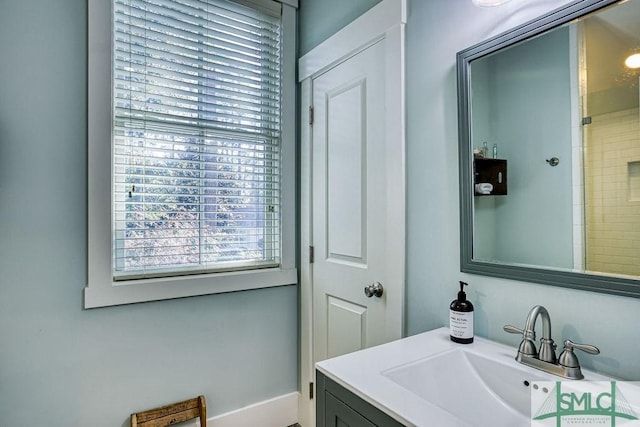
<point x="427" y="380"/>
<point x="473" y="388"/>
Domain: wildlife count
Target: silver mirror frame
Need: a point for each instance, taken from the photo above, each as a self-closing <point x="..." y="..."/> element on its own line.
<point x="566" y="279"/>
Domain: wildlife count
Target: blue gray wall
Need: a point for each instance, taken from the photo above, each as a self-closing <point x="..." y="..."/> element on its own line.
<point x="529" y="122"/>
<point x="436" y="31"/>
<point x="59" y="364"/>
<point x="609" y="322"/>
<point x="319" y="19"/>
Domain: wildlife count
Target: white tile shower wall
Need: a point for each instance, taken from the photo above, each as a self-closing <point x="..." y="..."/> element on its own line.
<point x="613" y="214"/>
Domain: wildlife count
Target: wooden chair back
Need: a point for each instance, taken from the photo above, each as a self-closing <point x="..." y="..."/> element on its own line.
<point x="172" y="414"/>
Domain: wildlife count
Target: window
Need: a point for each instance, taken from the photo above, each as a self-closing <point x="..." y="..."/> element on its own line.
<point x="199" y="131"/>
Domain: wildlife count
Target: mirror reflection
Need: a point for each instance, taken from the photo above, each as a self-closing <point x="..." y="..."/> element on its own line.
<point x="556" y="147"/>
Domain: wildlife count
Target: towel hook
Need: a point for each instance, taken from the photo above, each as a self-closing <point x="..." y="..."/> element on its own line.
<point x="554" y="161"/>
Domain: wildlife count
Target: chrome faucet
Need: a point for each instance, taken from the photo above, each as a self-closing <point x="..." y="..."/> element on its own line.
<point x="566" y="365"/>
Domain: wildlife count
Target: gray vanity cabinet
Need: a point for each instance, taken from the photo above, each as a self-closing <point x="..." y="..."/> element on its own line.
<point x="338" y="407"/>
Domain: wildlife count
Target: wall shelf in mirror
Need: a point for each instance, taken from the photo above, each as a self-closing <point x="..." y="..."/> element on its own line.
<point x="490" y="171"/>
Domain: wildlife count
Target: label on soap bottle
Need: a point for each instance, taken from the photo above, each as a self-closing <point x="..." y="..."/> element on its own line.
<point x="461" y="324"/>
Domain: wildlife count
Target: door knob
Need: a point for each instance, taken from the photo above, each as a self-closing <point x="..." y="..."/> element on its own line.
<point x="374" y="289"/>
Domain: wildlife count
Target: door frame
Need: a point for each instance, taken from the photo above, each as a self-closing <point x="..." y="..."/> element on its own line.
<point x="385" y="21"/>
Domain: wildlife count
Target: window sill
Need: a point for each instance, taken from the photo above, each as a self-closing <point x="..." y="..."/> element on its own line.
<point x="112" y="293"/>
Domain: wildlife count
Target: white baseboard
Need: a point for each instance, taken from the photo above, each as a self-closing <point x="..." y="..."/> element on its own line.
<point x="281" y="411"/>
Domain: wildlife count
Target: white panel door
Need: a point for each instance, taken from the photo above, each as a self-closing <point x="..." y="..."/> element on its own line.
<point x="350" y="181"/>
<point x="352" y="195"/>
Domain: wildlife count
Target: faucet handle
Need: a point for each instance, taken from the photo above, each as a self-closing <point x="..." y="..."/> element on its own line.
<point x="587" y="348"/>
<point x="527" y="346"/>
<point x="569" y="359"/>
<point x="512" y="329"/>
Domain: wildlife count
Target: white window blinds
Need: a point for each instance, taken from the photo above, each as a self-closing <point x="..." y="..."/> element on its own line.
<point x="196" y="137"/>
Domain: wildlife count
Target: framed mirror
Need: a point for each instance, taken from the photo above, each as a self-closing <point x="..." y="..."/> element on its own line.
<point x="549" y="139"/>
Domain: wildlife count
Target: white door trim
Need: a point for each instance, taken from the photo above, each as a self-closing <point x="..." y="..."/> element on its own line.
<point x="385" y="21"/>
<point x="364" y="31"/>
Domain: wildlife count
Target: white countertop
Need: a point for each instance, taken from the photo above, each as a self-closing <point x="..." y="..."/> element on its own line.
<point x="362" y="374"/>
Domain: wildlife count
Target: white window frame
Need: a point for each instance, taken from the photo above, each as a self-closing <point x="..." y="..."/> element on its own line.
<point x="102" y="290"/>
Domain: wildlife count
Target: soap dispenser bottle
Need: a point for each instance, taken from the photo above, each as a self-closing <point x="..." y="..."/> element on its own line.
<point x="461" y="318"/>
